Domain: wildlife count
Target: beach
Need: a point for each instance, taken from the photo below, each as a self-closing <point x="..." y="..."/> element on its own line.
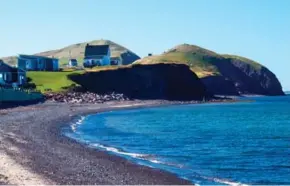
<point x="33" y="150"/>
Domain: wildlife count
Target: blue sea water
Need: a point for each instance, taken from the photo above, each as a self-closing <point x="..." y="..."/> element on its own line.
<point x="228" y="143"/>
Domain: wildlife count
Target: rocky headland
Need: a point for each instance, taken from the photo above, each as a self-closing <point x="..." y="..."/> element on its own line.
<point x="222" y="74"/>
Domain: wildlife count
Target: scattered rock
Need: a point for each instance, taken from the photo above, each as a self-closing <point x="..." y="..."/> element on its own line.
<point x="84" y="97"/>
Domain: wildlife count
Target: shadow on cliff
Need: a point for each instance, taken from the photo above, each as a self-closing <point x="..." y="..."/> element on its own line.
<point x="155" y="81"/>
<point x="241" y="78"/>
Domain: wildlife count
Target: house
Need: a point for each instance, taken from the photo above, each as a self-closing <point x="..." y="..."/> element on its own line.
<point x="116" y="61"/>
<point x="11" y="75"/>
<point x="73" y="63"/>
<point x="97" y="55"/>
<point x="37" y="63"/>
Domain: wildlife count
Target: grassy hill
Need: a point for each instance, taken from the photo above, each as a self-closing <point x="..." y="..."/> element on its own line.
<point x="201" y="61"/>
<point x="77" y="51"/>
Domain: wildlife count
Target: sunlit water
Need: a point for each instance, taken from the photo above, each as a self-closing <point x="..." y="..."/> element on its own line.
<point x="245" y="142"/>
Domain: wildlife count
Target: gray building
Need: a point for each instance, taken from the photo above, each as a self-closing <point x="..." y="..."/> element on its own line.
<point x="37" y="63"/>
<point x="11" y="75"/>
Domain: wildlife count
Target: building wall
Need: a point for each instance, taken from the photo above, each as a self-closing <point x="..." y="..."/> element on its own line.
<point x="5" y="78"/>
<point x="120" y="61"/>
<point x="95" y="60"/>
<point x="55" y="64"/>
<point x="116" y="61"/>
<point x="106" y="60"/>
<point x="21" y="63"/>
<point x="27" y="64"/>
<point x="37" y="63"/>
<point x="32" y="64"/>
<point x="2" y="82"/>
<point x="40" y="64"/>
<point x="22" y="77"/>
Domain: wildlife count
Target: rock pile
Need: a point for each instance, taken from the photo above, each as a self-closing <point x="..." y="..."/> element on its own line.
<point x="84" y="97"/>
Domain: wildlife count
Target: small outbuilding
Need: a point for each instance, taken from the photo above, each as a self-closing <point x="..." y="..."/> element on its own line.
<point x="116" y="61"/>
<point x="72" y="63"/>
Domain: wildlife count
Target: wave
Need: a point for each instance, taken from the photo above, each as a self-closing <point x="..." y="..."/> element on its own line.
<point x="115" y="150"/>
<point x="224" y="181"/>
<point x="74" y="125"/>
<point x="146" y="157"/>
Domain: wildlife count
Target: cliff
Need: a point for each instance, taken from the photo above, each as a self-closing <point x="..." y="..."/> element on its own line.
<point x="222" y="74"/>
<point x="156" y="81"/>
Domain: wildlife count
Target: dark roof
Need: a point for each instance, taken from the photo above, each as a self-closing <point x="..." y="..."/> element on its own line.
<point x="4" y="67"/>
<point x="94" y="50"/>
<point x="34" y="56"/>
<point x="73" y="60"/>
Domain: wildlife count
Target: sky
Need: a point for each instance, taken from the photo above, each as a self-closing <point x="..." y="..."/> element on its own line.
<point x="259" y="29"/>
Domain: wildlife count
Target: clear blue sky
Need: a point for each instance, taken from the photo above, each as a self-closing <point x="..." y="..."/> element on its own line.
<point x="257" y="29"/>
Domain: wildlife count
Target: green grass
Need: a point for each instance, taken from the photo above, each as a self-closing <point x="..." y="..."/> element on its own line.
<point x="56" y="81"/>
<point x="201" y="61"/>
<point x="195" y="61"/>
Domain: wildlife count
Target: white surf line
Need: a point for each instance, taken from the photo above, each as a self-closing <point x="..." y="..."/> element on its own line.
<point x="128" y="105"/>
<point x="16" y="174"/>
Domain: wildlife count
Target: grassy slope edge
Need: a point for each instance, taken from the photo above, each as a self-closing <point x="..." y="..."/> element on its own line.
<point x="201" y="61"/>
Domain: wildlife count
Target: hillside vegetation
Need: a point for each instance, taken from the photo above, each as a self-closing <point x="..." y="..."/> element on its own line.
<point x="202" y="61"/>
<point x="77" y="51"/>
<point x="51" y="81"/>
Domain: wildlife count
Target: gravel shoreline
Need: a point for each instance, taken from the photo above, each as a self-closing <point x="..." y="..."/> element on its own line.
<point x="31" y="142"/>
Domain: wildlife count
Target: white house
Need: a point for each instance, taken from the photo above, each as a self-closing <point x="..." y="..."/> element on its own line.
<point x="97" y="55"/>
<point x="72" y="63"/>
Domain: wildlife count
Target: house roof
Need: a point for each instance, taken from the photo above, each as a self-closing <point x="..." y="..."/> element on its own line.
<point x="73" y="60"/>
<point x="34" y="56"/>
<point x="95" y="50"/>
<point x="4" y="67"/>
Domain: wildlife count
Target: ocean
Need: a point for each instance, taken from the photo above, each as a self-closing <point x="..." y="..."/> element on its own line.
<point x="216" y="143"/>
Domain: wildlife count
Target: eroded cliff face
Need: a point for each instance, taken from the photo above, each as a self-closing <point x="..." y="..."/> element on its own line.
<point x="219" y="85"/>
<point x="238" y="77"/>
<point x="155" y="81"/>
<point x="263" y="80"/>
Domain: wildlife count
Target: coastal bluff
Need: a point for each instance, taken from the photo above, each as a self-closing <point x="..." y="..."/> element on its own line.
<point x="222" y="74"/>
<point x="156" y="81"/>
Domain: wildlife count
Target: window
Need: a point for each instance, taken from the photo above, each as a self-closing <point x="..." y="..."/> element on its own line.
<point x="1" y="76"/>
